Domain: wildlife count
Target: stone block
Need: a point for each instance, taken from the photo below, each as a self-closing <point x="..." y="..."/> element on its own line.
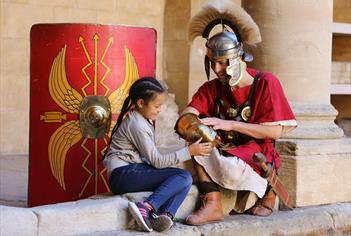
<point x="17" y="221"/>
<point x="10" y="141"/>
<point x="138" y="196"/>
<point x="165" y="135"/>
<point x="177" y="53"/>
<point x="177" y="15"/>
<point x="308" y="221"/>
<point x="341" y="215"/>
<point x="104" y="17"/>
<point x="15" y="61"/>
<point x="341" y="72"/>
<point x="177" y="230"/>
<point x="178" y="84"/>
<point x="13" y="185"/>
<point x="308" y="147"/>
<point x="317" y="171"/>
<point x="14" y="94"/>
<point x="74" y="15"/>
<point x="16" y="1"/>
<point x="83" y="216"/>
<point x="134" y="8"/>
<point x="13" y="180"/>
<point x="106" y="5"/>
<point x="54" y="3"/>
<point x="18" y="22"/>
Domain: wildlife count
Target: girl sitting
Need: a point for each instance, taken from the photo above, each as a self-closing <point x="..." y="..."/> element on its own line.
<point x="134" y="164"/>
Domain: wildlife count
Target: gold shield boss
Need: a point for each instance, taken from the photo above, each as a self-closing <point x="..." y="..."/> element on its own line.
<point x="95" y="116"/>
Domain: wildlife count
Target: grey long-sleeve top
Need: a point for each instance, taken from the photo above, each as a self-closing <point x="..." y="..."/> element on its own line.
<point x="134" y="142"/>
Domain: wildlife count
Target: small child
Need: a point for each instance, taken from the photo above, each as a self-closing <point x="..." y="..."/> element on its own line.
<point x="134" y="164"/>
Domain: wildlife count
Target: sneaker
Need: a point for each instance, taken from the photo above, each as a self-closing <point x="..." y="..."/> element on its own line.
<point x="141" y="214"/>
<point x="161" y="223"/>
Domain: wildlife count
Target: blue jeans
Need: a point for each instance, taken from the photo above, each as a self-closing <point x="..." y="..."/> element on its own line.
<point x="169" y="185"/>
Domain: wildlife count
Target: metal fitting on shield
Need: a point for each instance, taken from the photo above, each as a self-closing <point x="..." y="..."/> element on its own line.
<point x="95" y="116"/>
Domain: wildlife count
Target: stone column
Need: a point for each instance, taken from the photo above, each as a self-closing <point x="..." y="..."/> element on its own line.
<point x="176" y="49"/>
<point x="296" y="48"/>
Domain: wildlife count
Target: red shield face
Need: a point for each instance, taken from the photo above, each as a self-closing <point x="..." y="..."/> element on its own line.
<point x="69" y="63"/>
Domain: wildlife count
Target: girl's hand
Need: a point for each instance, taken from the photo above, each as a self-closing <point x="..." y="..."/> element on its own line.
<point x="217" y="123"/>
<point x="200" y="149"/>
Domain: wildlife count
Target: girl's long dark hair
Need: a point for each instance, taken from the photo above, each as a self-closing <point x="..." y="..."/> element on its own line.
<point x="145" y="88"/>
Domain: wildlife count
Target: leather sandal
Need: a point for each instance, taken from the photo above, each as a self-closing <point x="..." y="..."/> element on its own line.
<point x="264" y="206"/>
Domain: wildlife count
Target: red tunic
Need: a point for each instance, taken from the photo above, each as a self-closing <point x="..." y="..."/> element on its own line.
<point x="269" y="107"/>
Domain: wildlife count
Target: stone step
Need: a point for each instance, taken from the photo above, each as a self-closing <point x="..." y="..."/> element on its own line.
<point x="104" y="212"/>
<point x="319" y="220"/>
<point x="108" y="215"/>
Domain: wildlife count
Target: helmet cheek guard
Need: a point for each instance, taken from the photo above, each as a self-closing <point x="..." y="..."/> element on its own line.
<point x="235" y="70"/>
<point x="225" y="46"/>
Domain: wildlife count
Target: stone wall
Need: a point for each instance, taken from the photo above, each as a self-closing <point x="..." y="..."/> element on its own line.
<point x="176" y="49"/>
<point x="17" y="17"/>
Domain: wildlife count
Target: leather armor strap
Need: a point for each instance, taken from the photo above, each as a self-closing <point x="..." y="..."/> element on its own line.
<point x="239" y="137"/>
<point x="248" y="102"/>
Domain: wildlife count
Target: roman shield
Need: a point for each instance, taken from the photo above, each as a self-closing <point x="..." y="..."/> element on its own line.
<point x="80" y="75"/>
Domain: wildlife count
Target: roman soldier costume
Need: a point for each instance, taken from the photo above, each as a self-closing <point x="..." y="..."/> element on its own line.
<point x="237" y="178"/>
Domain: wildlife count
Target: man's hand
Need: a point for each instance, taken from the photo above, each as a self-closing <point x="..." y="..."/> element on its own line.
<point x="254" y="130"/>
<point x="217" y="123"/>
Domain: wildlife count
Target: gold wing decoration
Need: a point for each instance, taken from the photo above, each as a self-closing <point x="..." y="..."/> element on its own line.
<point x="60" y="90"/>
<point x="131" y="74"/>
<point x="60" y="142"/>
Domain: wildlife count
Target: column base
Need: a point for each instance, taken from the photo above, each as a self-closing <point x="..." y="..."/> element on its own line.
<point x="315" y="121"/>
<point x="316" y="171"/>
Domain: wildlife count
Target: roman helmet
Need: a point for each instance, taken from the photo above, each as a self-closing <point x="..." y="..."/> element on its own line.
<point x="237" y="28"/>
